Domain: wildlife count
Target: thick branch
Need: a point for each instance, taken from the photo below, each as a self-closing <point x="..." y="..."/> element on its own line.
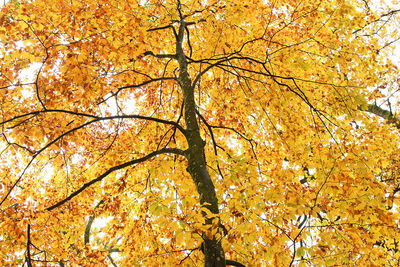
<point x="159" y="55"/>
<point x="88" y="229"/>
<point x="89" y="225"/>
<point x="113" y="169"/>
<point x="28" y="245"/>
<point x="385" y="114"/>
<point x="160" y="28"/>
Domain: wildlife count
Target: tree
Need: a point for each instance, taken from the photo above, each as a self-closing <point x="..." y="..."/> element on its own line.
<point x="179" y="132"/>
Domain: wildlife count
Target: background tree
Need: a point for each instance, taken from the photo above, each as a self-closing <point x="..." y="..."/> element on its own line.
<point x="140" y="133"/>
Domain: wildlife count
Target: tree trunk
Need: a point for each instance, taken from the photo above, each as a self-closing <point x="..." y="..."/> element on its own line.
<point x="213" y="252"/>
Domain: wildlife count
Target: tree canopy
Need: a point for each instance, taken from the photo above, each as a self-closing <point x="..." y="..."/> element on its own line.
<point x="198" y="132"/>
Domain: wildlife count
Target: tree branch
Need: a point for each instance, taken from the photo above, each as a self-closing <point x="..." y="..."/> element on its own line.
<point x="140" y="84"/>
<point x="112" y="261"/>
<point x="28" y="250"/>
<point x="385" y="114"/>
<point x="160" y="55"/>
<point x="89" y="225"/>
<point x="160" y="28"/>
<point x="95" y="118"/>
<point x="213" y="140"/>
<point x="113" y="169"/>
<point x="234" y="263"/>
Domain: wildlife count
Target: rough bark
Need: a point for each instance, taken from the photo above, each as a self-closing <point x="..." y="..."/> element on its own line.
<point x="213" y="252"/>
<point x="385" y="114"/>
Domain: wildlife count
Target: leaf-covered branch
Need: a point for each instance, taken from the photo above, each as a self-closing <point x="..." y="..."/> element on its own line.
<point x="94" y="117"/>
<point x="113" y="169"/>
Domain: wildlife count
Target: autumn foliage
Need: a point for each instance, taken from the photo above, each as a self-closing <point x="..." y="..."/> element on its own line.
<point x="194" y="132"/>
